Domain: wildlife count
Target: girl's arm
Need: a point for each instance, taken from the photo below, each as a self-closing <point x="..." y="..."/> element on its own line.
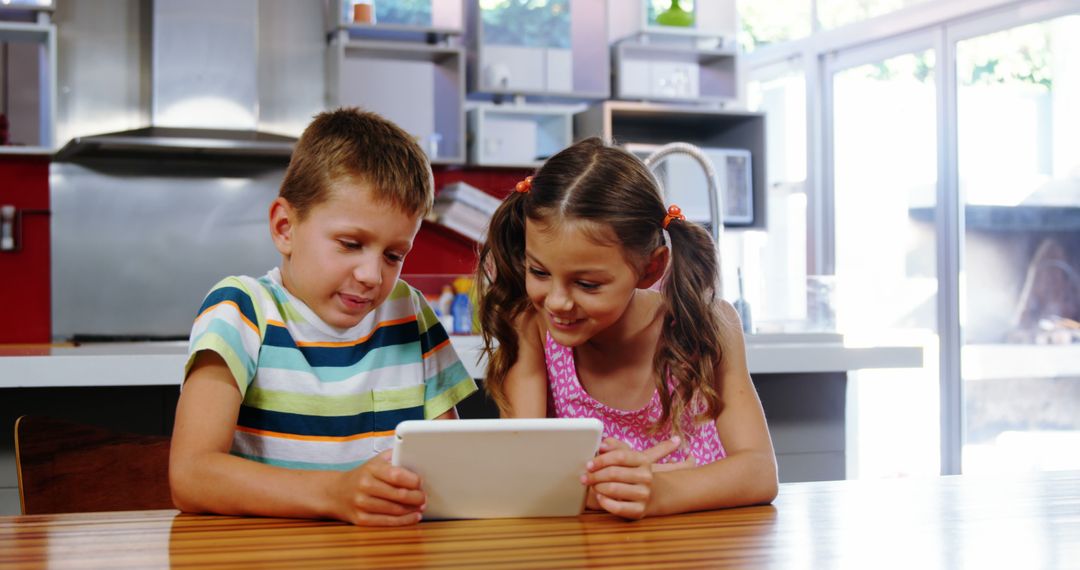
<point x="526" y="383"/>
<point x="204" y="477"/>
<point x="747" y="475"/>
<point x="450" y="414"/>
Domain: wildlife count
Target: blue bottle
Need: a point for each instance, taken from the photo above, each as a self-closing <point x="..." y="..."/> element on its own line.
<point x="461" y="309"/>
<point x="743" y="308"/>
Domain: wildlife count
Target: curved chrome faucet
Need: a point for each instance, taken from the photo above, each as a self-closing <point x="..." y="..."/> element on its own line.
<point x="716" y="214"/>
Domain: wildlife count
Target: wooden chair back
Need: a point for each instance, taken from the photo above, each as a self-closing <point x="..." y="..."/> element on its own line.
<point x="67" y="467"/>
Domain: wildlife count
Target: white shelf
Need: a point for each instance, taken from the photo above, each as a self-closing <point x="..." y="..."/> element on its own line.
<point x="27" y="6"/>
<point x="1009" y="361"/>
<point x="368" y="30"/>
<point x="679" y="31"/>
<point x="27" y="150"/>
<point x="24" y="31"/>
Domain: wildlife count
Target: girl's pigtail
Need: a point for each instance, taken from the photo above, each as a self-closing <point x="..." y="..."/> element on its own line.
<point x="501" y="297"/>
<point x="690" y="347"/>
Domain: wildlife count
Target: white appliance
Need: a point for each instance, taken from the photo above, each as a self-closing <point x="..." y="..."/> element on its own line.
<point x="683" y="182"/>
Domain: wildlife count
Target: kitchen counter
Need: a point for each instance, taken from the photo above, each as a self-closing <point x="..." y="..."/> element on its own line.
<point x="800" y="378"/>
<point x="162" y="363"/>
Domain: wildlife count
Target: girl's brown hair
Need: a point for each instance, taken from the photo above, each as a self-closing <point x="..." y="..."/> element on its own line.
<point x="592" y="181"/>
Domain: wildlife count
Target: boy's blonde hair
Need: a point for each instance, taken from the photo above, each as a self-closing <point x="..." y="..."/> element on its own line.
<point x="348" y="143"/>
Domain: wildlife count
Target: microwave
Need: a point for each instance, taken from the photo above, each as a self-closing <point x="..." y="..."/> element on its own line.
<point x="683" y="182"/>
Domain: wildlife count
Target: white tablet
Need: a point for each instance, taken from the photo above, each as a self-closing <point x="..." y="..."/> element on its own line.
<point x="478" y="469"/>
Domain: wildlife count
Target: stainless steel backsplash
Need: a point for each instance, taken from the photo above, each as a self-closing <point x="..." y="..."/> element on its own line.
<point x="136" y="246"/>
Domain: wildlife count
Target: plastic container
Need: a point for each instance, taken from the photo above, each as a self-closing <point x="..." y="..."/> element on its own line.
<point x="445" y="307"/>
<point x="675" y="16"/>
<point x="461" y="308"/>
<point x="364" y="12"/>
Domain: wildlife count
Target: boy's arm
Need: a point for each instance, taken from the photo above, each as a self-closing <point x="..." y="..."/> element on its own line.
<point x="204" y="477"/>
<point x="526" y="382"/>
<point x="747" y="475"/>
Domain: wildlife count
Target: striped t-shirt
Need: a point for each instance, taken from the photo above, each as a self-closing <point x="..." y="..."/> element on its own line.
<point x="315" y="397"/>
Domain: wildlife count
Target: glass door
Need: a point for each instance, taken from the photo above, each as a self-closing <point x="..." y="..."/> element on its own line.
<point x="774" y="261"/>
<point x="882" y="118"/>
<point x="1018" y="146"/>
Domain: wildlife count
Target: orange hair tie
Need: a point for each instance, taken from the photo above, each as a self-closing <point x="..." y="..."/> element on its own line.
<point x="524" y="185"/>
<point x="673" y="213"/>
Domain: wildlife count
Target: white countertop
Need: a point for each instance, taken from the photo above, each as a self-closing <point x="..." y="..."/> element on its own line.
<point x="162" y="363"/>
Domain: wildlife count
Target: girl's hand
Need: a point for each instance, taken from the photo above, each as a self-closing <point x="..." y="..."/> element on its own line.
<point x="620" y="478"/>
<point x="379" y="494"/>
<point x="687" y="463"/>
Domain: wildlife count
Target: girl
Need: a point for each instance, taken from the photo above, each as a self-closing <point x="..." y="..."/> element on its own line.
<point x="571" y="328"/>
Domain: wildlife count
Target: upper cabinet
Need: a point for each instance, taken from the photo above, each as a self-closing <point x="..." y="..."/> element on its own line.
<point x="27" y="77"/>
<point x="405" y="61"/>
<point x="677" y="51"/>
<point x="652" y="70"/>
<point x="553" y="48"/>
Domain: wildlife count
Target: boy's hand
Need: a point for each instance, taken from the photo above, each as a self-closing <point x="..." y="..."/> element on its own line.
<point x="620" y="479"/>
<point x="379" y="494"/>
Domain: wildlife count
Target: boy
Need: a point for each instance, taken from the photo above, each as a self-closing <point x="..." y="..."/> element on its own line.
<point x="296" y="380"/>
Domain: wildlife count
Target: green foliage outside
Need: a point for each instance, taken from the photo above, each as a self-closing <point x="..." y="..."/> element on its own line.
<point x="1020" y="55"/>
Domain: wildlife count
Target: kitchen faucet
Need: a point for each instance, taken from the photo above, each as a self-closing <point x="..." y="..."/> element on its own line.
<point x="716" y="216"/>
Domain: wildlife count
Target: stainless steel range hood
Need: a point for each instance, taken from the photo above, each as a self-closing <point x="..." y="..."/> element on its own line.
<point x="179" y="141"/>
<point x="204" y="88"/>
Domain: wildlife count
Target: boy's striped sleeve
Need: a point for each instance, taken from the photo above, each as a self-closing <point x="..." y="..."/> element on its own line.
<point x="446" y="381"/>
<point x="230" y="324"/>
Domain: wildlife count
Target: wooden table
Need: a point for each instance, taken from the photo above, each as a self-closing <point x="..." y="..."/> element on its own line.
<point x="949" y="522"/>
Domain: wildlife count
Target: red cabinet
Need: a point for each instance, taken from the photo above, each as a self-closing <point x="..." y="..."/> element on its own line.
<point x="24" y="272"/>
<point x="440" y="251"/>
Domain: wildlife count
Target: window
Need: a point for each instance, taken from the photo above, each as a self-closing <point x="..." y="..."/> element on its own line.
<point x="773" y="282"/>
<point x="885" y="180"/>
<point x="949" y="213"/>
<point x="836" y="13"/>
<point x="1020" y="174"/>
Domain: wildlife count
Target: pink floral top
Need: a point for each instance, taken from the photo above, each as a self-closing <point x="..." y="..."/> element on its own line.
<point x="570" y="400"/>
